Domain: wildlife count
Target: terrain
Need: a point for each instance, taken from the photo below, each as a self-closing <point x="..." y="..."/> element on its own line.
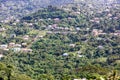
<point x="11" y="9"/>
<point x="72" y="41"/>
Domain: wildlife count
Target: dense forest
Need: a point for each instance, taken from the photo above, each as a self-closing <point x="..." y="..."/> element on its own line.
<point x="73" y="41"/>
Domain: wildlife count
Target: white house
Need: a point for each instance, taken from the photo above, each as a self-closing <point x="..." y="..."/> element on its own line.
<point x="65" y="54"/>
<point x="16" y="49"/>
<point x="72" y="45"/>
<point x="3" y="46"/>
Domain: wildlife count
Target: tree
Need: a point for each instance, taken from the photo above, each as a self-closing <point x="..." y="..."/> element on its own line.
<point x="8" y="71"/>
<point x="21" y="77"/>
<point x="114" y="76"/>
<point x="45" y="77"/>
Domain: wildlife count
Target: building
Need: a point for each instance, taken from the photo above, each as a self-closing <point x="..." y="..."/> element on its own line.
<point x="12" y="44"/>
<point x="26" y="37"/>
<point x="2" y="29"/>
<point x="3" y="46"/>
<point x="72" y="45"/>
<point x="26" y="50"/>
<point x="18" y="45"/>
<point x="65" y="54"/>
<point x="16" y="49"/>
<point x="95" y="32"/>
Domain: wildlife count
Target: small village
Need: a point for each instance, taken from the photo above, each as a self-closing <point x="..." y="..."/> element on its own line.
<point x="69" y="39"/>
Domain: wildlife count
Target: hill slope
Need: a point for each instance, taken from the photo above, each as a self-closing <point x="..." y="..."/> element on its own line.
<point x="17" y="8"/>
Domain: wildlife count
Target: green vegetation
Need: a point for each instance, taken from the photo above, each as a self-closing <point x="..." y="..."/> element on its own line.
<point x="8" y="72"/>
<point x="62" y="43"/>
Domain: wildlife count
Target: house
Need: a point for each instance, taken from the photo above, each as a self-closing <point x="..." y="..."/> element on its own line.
<point x="115" y="18"/>
<point x="16" y="49"/>
<point x="49" y="27"/>
<point x="2" y="29"/>
<point x="6" y="49"/>
<point x="12" y="44"/>
<point x="69" y="18"/>
<point x="66" y="28"/>
<point x="78" y="29"/>
<point x="26" y="37"/>
<point x="81" y="79"/>
<point x="49" y="32"/>
<point x="18" y="45"/>
<point x="55" y="25"/>
<point x="24" y="44"/>
<point x="72" y="45"/>
<point x="49" y="19"/>
<point x="100" y="47"/>
<point x="90" y="5"/>
<point x="79" y="52"/>
<point x="109" y="15"/>
<point x="92" y="20"/>
<point x="99" y="38"/>
<point x="100" y="12"/>
<point x="77" y="12"/>
<point x="40" y="36"/>
<point x="14" y="23"/>
<point x="87" y="29"/>
<point x="117" y="31"/>
<point x="30" y="24"/>
<point x="65" y="54"/>
<point x="95" y="32"/>
<point x="26" y="50"/>
<point x="3" y="46"/>
<point x="107" y="10"/>
<point x="17" y="21"/>
<point x="56" y="20"/>
<point x="96" y="20"/>
<point x="80" y="56"/>
<point x="102" y="33"/>
<point x="116" y="34"/>
<point x="6" y="21"/>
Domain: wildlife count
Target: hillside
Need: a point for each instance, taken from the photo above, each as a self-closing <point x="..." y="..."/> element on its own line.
<point x="73" y="41"/>
<point x="10" y="9"/>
